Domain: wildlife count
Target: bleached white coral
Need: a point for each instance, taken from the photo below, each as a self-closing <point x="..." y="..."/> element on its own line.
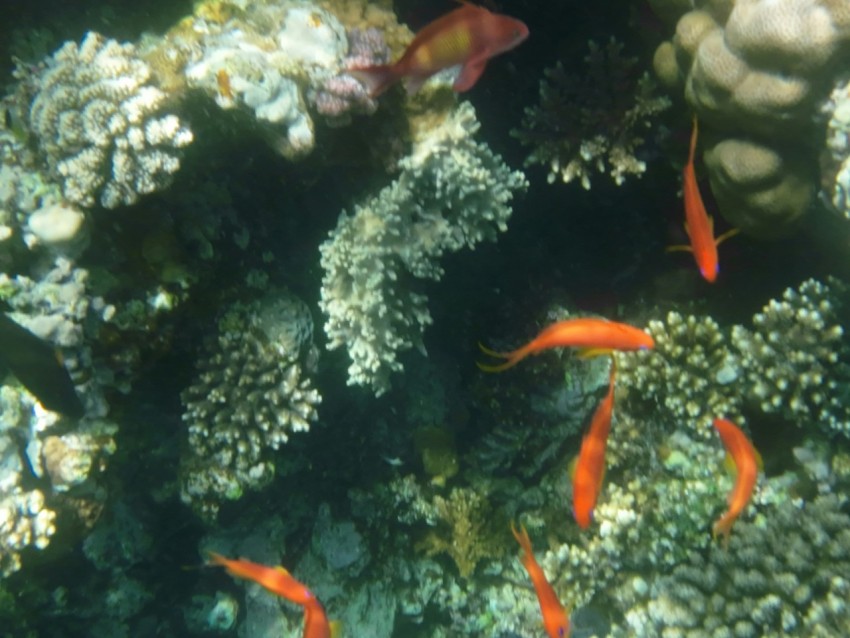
<point x="264" y="61"/>
<point x="99" y="124"/>
<point x="452" y="192"/>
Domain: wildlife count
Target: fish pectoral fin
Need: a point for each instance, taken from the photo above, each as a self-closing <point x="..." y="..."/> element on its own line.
<point x="590" y="353"/>
<point x="469" y="74"/>
<point x="729" y="233"/>
<point x="679" y="248"/>
<point x="336" y="628"/>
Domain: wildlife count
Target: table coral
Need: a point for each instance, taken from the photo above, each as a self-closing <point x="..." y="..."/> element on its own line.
<point x="250" y="395"/>
<point x="452" y="192"/>
<point x="99" y="123"/>
<point x="594" y="121"/>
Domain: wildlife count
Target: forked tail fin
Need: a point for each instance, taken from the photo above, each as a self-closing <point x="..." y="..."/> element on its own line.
<point x="376" y="79"/>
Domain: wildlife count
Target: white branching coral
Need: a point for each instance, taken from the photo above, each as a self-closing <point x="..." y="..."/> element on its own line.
<point x="452" y="192"/>
<point x="251" y="393"/>
<point x="791" y="358"/>
<point x="593" y="122"/>
<point x="690" y="373"/>
<point x="98" y="122"/>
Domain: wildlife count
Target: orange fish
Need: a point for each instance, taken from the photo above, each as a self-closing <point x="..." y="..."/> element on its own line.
<point x="276" y="579"/>
<point x="699" y="225"/>
<point x="590" y="467"/>
<point x="316" y="623"/>
<point x="590" y="334"/>
<point x="556" y="621"/>
<point x="747" y="462"/>
<point x="468" y="36"/>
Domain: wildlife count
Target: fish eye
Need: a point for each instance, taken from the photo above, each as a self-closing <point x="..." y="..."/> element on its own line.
<point x="561" y="632"/>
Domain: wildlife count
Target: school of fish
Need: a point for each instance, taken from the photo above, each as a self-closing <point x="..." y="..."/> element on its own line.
<point x="467" y="38"/>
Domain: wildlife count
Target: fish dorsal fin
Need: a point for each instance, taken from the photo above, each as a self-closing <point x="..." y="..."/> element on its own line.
<point x="759" y="460"/>
<point x="282" y="570"/>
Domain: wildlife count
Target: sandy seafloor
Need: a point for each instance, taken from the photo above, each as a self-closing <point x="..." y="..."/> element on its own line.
<point x="396" y="509"/>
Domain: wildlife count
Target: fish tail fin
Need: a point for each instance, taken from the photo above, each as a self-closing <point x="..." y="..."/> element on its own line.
<point x="376" y="79"/>
<point x="521" y="536"/>
<point x="217" y="559"/>
<point x="512" y="359"/>
<point x="723" y="528"/>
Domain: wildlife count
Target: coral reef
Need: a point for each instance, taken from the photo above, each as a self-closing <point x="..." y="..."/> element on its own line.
<point x="835" y="159"/>
<point x="597" y="120"/>
<point x="783" y="577"/>
<point x="755" y="71"/>
<point x="250" y="394"/>
<point x="793" y="360"/>
<point x="452" y="192"/>
<point x="99" y="123"/>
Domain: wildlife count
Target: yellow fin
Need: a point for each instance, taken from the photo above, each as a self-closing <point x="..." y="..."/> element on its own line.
<point x="590" y="353"/>
<point x="491" y="353"/>
<point x="679" y="247"/>
<point x="759" y="460"/>
<point x="729" y="233"/>
<point x="336" y="628"/>
<point x="571" y="468"/>
<point x="729" y="464"/>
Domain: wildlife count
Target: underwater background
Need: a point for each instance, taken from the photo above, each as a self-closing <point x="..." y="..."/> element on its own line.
<point x="269" y="288"/>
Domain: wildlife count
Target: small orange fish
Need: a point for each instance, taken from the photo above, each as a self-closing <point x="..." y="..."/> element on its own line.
<point x="590" y="334"/>
<point x="556" y="621"/>
<point x="316" y="623"/>
<point x="590" y="467"/>
<point x="747" y="461"/>
<point x="468" y="36"/>
<point x="275" y="579"/>
<point x="699" y="225"/>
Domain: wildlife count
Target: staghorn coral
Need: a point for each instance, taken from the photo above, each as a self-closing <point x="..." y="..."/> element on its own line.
<point x="594" y="121"/>
<point x="251" y="393"/>
<point x="99" y="124"/>
<point x="452" y="193"/>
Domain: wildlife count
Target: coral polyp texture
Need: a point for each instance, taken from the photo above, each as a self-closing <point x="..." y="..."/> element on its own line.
<point x="791" y="362"/>
<point x="835" y="159"/>
<point x="452" y="193"/>
<point x="756" y="72"/>
<point x="251" y="393"/>
<point x="783" y="576"/>
<point x="794" y="358"/>
<point x="593" y="122"/>
<point x="99" y="123"/>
